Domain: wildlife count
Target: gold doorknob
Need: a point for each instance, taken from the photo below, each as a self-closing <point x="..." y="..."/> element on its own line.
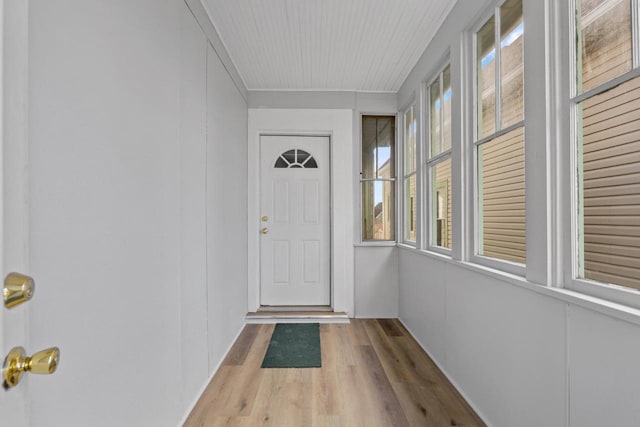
<point x="43" y="362"/>
<point x="18" y="288"/>
<point x="265" y="230"/>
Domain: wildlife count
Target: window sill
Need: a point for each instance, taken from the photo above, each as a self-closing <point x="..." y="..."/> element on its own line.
<point x="375" y="244"/>
<point x="599" y="305"/>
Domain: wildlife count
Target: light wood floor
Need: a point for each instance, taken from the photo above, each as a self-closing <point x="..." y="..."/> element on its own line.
<point x="373" y="374"/>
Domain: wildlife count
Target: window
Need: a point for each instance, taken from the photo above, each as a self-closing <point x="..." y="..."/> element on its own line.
<point x="378" y="178"/>
<point x="439" y="164"/>
<point x="606" y="110"/>
<point x="409" y="181"/>
<point x="499" y="136"/>
<point x="293" y="159"/>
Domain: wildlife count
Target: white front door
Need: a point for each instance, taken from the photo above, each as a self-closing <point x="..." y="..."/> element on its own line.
<point x="295" y="221"/>
<point x="90" y="178"/>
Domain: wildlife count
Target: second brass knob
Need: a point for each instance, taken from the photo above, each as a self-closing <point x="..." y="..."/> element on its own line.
<point x="17" y="363"/>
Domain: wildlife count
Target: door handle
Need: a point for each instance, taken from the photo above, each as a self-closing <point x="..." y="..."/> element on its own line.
<point x="18" y="288"/>
<point x="17" y="363"/>
<point x="265" y="230"/>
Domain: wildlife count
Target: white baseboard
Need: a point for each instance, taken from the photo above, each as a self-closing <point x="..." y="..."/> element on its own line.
<point x="462" y="393"/>
<point x="208" y="381"/>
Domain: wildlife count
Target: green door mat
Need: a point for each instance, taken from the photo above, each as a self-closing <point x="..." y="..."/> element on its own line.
<point x="294" y="345"/>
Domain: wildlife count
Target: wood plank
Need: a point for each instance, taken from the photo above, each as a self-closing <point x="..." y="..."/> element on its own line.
<point x="240" y="349"/>
<point x="374" y="374"/>
<point x="421" y="406"/>
<point x="390" y="328"/>
<point x="458" y="411"/>
<point x="388" y="405"/>
<point x="357" y="333"/>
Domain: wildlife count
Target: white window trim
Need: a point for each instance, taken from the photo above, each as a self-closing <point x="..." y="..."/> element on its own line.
<point x="404" y="176"/>
<point x="360" y="180"/>
<point x="430" y="161"/>
<point x="429" y="209"/>
<point x="474" y="229"/>
<point x="610" y="292"/>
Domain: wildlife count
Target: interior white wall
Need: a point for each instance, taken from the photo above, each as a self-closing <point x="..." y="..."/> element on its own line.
<point x="376" y="265"/>
<point x="519" y="357"/>
<point x="603" y="356"/>
<point x="374" y="295"/>
<point x="134" y="126"/>
<point x="504" y="347"/>
<point x="193" y="220"/>
<point x="522" y="354"/>
<point x="338" y="124"/>
<point x="226" y="209"/>
<point x="376" y="282"/>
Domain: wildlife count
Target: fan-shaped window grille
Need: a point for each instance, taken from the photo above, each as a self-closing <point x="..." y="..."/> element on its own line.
<point x="296" y="159"/>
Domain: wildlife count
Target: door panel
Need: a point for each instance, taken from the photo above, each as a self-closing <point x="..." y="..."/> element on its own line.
<point x="295" y="223"/>
<point x="105" y="215"/>
<point x="311" y="197"/>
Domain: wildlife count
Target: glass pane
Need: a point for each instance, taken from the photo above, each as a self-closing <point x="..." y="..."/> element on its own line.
<point x="290" y="156"/>
<point x="302" y="156"/>
<point x="609" y="186"/>
<point x="435" y="114"/>
<point x="486" y="71"/>
<point x="311" y="163"/>
<point x="501" y="194"/>
<point x="441" y="204"/>
<point x="378" y="202"/>
<point x="511" y="63"/>
<point x="281" y="163"/>
<point x="385" y="153"/>
<point x="378" y="147"/>
<point x="410" y="141"/>
<point x="446" y="97"/>
<point x="410" y="208"/>
<point x="604" y="41"/>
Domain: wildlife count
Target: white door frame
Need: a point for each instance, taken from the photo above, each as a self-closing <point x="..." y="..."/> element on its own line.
<point x="338" y="125"/>
<point x="330" y="217"/>
<point x="14" y="209"/>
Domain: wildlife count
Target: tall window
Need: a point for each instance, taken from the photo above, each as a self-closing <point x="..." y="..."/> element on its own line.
<point x="409" y="182"/>
<point x="606" y="106"/>
<point x="378" y="178"/>
<point x="499" y="141"/>
<point x="439" y="164"/>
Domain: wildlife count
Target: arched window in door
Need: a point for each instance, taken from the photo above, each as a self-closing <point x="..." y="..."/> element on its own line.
<point x="296" y="159"/>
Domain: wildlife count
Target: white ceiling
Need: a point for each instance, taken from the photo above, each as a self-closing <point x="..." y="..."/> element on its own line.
<point x="363" y="45"/>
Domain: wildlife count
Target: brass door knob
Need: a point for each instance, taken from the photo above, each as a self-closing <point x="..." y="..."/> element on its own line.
<point x="265" y="230"/>
<point x="43" y="362"/>
<point x="18" y="288"/>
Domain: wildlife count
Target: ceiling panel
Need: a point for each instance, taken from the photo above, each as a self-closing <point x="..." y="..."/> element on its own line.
<point x="365" y="45"/>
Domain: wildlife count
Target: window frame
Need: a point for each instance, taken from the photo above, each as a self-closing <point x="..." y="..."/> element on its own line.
<point x="430" y="161"/>
<point x="402" y="223"/>
<point x="474" y="223"/>
<point x="606" y="291"/>
<point x="361" y="181"/>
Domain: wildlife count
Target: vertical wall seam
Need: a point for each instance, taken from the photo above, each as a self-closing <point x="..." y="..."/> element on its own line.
<point x="567" y="366"/>
<point x="206" y="200"/>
